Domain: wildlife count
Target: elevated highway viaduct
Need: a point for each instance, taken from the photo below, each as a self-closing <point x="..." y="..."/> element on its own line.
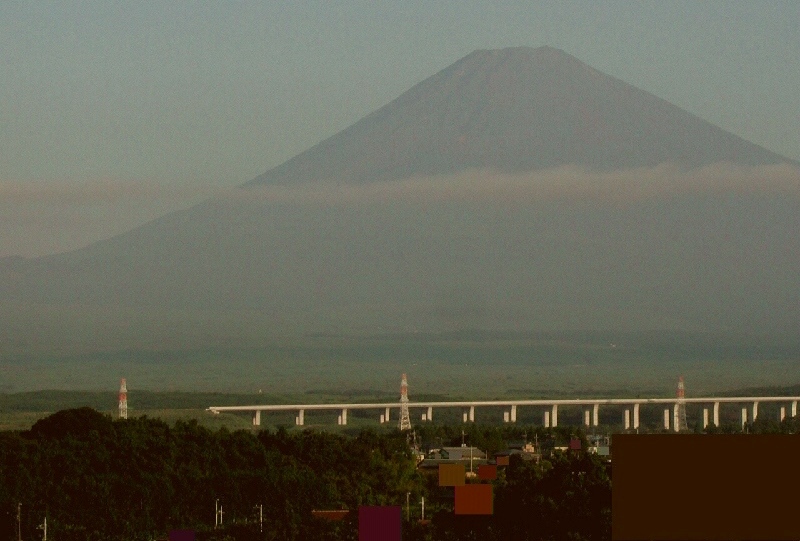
<point x="591" y="408"/>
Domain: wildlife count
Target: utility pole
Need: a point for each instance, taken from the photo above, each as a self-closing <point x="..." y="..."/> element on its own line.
<point x="408" y="509"/>
<point x="423" y="508"/>
<point x="470" y="458"/>
<point x="19" y="521"/>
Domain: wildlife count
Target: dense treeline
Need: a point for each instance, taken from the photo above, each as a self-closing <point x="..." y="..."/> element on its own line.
<point x="98" y="478"/>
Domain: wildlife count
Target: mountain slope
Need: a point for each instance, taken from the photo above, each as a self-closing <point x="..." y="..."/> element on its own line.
<point x="515" y="110"/>
<point x="339" y="239"/>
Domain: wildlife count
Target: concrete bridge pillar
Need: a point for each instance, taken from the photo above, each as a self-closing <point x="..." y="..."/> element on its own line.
<point x="547" y="419"/>
<point x="465" y="416"/>
<point x="744" y="417"/>
<point x="794" y="408"/>
<point x="386" y="416"/>
<point x="343" y="417"/>
<point x="554" y="416"/>
<point x="636" y="416"/>
<point x="676" y="422"/>
<point x="716" y="413"/>
<point x="783" y="413"/>
<point x="705" y="418"/>
<point x="514" y="413"/>
<point x="666" y="419"/>
<point x="257" y="418"/>
<point x="472" y="414"/>
<point x="299" y="421"/>
<point x="755" y="411"/>
<point x="627" y="419"/>
<point x="587" y="417"/>
<point x="430" y="413"/>
<point x="596" y="415"/>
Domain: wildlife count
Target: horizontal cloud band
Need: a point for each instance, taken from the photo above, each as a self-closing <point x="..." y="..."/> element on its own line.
<point x="569" y="182"/>
<point x="47" y="217"/>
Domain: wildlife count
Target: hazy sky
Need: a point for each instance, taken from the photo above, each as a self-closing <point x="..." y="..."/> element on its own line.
<point x="112" y="113"/>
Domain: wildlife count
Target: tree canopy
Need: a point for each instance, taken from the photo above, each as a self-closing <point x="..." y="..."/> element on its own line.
<point x="98" y="478"/>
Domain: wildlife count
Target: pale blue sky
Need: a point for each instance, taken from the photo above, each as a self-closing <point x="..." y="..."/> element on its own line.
<point x="96" y="97"/>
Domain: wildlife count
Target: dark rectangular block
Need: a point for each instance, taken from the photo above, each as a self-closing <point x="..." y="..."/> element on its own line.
<point x="181" y="535"/>
<point x="379" y="523"/>
<point x="487" y="472"/>
<point x="705" y="486"/>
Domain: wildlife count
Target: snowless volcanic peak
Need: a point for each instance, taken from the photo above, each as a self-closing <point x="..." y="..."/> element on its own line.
<point x="517" y="110"/>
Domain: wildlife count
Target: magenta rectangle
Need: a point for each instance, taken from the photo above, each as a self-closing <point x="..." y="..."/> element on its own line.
<point x="379" y="523"/>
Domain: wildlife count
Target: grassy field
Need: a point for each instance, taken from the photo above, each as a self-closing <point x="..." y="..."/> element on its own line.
<point x="469" y="364"/>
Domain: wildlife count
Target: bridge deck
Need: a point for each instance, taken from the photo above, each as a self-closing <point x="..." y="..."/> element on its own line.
<point x="507" y="403"/>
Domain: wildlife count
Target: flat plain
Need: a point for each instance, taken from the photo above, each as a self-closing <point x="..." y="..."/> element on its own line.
<point x="180" y="383"/>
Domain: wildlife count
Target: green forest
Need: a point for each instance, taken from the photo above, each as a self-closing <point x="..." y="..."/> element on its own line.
<point x="95" y="478"/>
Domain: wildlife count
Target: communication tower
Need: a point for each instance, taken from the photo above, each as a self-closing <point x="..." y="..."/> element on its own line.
<point x="123" y="399"/>
<point x="681" y="406"/>
<point x="405" y="419"/>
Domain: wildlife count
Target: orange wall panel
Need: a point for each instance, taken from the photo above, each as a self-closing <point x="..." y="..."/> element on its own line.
<point x="451" y="475"/>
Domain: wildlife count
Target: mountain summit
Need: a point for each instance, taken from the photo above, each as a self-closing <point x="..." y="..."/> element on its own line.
<point x="516" y="110"/>
<point x="403" y="249"/>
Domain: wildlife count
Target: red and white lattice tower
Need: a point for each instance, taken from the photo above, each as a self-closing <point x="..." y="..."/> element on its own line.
<point x="123" y="399"/>
<point x="681" y="420"/>
<point x="405" y="419"/>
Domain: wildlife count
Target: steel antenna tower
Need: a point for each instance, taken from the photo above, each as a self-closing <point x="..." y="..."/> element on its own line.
<point x="123" y="399"/>
<point x="405" y="419"/>
<point x="681" y="406"/>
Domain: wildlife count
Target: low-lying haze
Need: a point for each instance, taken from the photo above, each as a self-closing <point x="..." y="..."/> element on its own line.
<point x="47" y="217"/>
<point x="559" y="184"/>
